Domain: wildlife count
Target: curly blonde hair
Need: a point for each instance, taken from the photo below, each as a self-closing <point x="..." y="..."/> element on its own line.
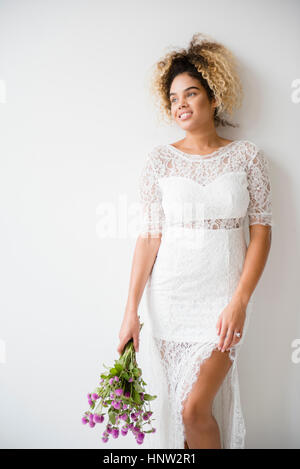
<point x="208" y="61"/>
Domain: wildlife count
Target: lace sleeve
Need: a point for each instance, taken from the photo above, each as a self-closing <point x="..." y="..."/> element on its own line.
<point x="153" y="216"/>
<point x="259" y="186"/>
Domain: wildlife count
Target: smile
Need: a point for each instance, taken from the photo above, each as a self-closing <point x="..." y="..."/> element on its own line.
<point x="185" y="115"/>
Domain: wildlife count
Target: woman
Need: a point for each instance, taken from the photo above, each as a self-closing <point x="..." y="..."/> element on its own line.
<point x="196" y="195"/>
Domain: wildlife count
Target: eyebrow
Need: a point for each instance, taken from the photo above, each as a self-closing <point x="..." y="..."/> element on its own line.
<point x="190" y="87"/>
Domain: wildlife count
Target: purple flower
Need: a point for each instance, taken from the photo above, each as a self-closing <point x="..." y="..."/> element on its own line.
<point x="84" y="420"/>
<point x="119" y="392"/>
<point x="130" y="380"/>
<point x="141" y="436"/>
<point x="95" y="396"/>
<point x="91" y="417"/>
<point x="115" y="433"/>
<point x="105" y="440"/>
<point x="111" y="381"/>
<point x="90" y="402"/>
<point x="112" y="395"/>
<point x="124" y="432"/>
<point x="98" y="418"/>
<point x="88" y="395"/>
<point x="127" y="394"/>
<point x="153" y="430"/>
<point x="108" y="429"/>
<point x="125" y="406"/>
<point x="116" y="378"/>
<point x="91" y="423"/>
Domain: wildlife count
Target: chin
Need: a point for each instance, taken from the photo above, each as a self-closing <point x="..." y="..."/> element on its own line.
<point x="188" y="125"/>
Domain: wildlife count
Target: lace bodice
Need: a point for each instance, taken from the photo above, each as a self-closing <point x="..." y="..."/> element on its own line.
<point x="215" y="191"/>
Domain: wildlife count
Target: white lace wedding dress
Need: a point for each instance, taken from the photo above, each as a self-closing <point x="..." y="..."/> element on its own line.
<point x="200" y="205"/>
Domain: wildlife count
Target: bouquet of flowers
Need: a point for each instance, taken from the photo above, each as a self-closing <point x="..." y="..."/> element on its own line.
<point x="121" y="394"/>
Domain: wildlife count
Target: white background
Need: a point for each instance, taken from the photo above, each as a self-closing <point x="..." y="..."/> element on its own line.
<point x="76" y="125"/>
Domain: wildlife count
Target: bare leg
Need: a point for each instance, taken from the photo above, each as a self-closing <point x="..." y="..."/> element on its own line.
<point x="186" y="445"/>
<point x="201" y="428"/>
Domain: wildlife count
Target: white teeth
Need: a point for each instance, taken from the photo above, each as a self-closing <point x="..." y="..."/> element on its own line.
<point x="185" y="114"/>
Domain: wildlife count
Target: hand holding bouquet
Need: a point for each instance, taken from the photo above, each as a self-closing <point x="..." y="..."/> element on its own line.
<point x="121" y="395"/>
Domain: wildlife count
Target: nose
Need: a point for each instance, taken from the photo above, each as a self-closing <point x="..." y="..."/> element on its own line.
<point x="181" y="107"/>
<point x="181" y="104"/>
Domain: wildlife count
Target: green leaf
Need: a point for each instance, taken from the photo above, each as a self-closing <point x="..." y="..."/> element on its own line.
<point x="136" y="372"/>
<point x="138" y="388"/>
<point x="147" y="397"/>
<point x="118" y="367"/>
<point x="113" y="371"/>
<point x="112" y="417"/>
<point x="136" y="397"/>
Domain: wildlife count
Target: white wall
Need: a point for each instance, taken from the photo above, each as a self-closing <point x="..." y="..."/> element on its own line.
<point x="76" y="125"/>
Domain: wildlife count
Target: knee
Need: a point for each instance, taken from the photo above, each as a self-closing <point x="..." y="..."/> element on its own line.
<point x="196" y="415"/>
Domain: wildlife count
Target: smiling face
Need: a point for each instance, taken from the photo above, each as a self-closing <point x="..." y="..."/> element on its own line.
<point x="188" y="95"/>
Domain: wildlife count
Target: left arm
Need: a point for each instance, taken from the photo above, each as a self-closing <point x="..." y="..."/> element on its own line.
<point x="233" y="316"/>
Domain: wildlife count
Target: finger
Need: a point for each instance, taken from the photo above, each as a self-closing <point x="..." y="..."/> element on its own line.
<point x="222" y="336"/>
<point x="236" y="339"/>
<point x="228" y="339"/>
<point x="219" y="324"/>
<point x="136" y="343"/>
<point x="120" y="348"/>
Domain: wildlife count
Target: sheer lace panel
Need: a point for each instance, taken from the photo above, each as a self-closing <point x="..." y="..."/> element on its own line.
<point x="153" y="216"/>
<point x="216" y="224"/>
<point x="260" y="206"/>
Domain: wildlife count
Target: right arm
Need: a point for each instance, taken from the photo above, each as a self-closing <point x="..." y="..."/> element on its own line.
<point x="143" y="260"/>
<point x="145" y="252"/>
